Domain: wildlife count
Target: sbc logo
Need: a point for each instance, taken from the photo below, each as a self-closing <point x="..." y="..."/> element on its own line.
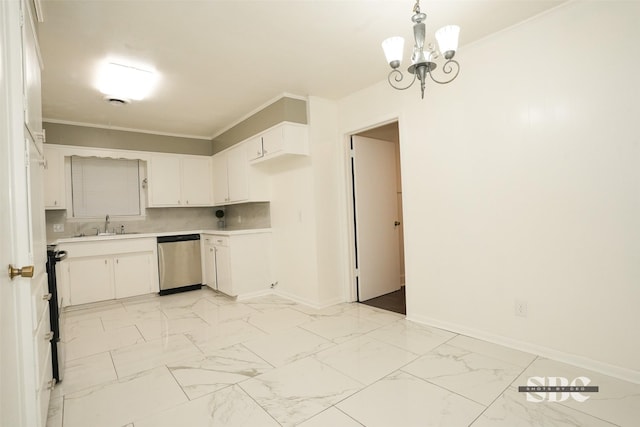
<point x="557" y="389"/>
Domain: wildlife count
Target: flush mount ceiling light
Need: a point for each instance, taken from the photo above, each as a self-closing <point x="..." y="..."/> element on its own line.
<point x="422" y="59"/>
<point x="125" y="82"/>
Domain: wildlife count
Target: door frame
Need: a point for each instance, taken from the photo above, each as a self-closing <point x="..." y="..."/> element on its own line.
<point x="352" y="285"/>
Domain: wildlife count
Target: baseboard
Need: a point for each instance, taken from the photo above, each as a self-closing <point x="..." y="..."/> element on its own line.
<point x="550" y="353"/>
<point x="249" y="295"/>
<point x="307" y="302"/>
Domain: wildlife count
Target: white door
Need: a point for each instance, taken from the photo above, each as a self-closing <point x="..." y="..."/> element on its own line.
<point x="376" y="217"/>
<point x="18" y="382"/>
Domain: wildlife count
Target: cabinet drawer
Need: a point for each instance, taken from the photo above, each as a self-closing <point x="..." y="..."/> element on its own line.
<point x="220" y="240"/>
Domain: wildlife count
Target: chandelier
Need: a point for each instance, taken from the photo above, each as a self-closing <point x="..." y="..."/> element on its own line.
<point x="422" y="59"/>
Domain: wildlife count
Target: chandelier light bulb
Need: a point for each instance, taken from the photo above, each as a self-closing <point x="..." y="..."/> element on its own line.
<point x="448" y="40"/>
<point x="393" y="48"/>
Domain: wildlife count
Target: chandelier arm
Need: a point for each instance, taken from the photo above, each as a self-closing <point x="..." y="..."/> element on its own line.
<point x="398" y="77"/>
<point x="451" y="66"/>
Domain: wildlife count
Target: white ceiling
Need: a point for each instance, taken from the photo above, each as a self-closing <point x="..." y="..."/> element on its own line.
<point x="219" y="60"/>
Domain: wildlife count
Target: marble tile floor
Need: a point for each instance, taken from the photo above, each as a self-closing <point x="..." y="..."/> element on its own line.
<point x="202" y="359"/>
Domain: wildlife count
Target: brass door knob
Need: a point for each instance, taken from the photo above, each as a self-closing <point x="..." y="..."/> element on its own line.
<point x="26" y="271"/>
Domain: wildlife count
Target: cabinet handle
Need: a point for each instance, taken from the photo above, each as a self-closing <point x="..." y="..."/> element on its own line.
<point x="47" y="297"/>
<point x="105" y="262"/>
<point x="187" y="202"/>
<point x="48" y="336"/>
<point x="178" y="201"/>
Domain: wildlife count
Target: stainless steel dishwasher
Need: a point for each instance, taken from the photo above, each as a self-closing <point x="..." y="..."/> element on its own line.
<point x="179" y="263"/>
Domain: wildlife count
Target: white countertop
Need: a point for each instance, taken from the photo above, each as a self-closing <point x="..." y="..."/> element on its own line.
<point x="224" y="232"/>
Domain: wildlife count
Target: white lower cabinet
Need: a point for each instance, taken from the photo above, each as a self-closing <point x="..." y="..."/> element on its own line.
<point x="223" y="267"/>
<point x="208" y="263"/>
<point x="89" y="280"/>
<point x="237" y="264"/>
<point x="104" y="270"/>
<point x="133" y="275"/>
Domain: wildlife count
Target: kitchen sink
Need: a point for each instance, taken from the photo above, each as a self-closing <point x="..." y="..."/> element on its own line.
<point x="106" y="234"/>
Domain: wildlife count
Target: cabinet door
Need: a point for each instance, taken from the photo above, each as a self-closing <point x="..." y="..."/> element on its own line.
<point x="164" y="181"/>
<point x="220" y="181"/>
<point x="54" y="195"/>
<point x="272" y="141"/>
<point x="210" y="266"/>
<point x="196" y="181"/>
<point x="132" y="274"/>
<point x="90" y="280"/>
<point x="238" y="173"/>
<point x="223" y="270"/>
<point x="254" y="148"/>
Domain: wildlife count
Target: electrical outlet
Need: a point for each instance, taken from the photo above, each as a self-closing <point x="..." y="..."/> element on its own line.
<point x="58" y="228"/>
<point x="521" y="308"/>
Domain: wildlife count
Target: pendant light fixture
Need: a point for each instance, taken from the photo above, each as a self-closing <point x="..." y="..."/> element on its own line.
<point x="423" y="57"/>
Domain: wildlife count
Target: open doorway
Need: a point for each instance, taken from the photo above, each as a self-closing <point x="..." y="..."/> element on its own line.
<point x="377" y="218"/>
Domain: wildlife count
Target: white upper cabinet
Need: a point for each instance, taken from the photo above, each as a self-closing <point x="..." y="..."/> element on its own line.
<point x="235" y="181"/>
<point x="254" y="148"/>
<point x="165" y="180"/>
<point x="54" y="183"/>
<point x="279" y="141"/>
<point x="179" y="180"/>
<point x="238" y="173"/>
<point x="196" y="180"/>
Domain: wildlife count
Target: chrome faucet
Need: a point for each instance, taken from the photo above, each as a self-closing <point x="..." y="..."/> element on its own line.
<point x="106" y="224"/>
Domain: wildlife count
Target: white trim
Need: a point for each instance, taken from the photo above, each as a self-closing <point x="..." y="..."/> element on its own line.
<point x="37" y="4"/>
<point x="307" y="302"/>
<point x="255" y="294"/>
<point x="28" y="15"/>
<point x="150" y="132"/>
<point x="258" y="109"/>
<point x="550" y="353"/>
<point x="347" y="185"/>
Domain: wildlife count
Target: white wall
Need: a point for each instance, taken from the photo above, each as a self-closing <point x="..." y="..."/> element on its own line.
<point x="521" y="180"/>
<point x="294" y="231"/>
<point x="327" y="172"/>
<point x="306" y="222"/>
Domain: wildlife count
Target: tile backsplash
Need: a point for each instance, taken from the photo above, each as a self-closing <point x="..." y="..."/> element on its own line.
<point x="242" y="216"/>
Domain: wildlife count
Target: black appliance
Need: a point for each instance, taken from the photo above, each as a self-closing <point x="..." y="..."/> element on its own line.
<point x="55" y="310"/>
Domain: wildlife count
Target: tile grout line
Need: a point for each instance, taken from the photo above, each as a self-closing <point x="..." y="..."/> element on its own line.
<point x="503" y="391"/>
